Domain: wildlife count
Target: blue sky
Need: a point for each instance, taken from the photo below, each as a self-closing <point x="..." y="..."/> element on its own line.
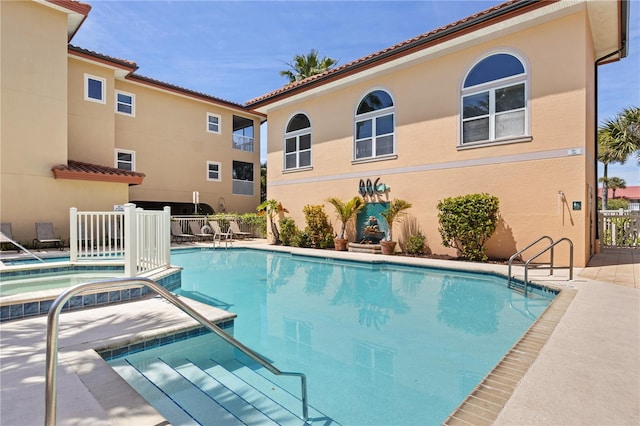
<point x="235" y="49"/>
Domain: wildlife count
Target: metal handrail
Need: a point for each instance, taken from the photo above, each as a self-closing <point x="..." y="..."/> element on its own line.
<point x="4" y="238"/>
<point x="526" y="265"/>
<point x="52" y="338"/>
<point x="525" y="249"/>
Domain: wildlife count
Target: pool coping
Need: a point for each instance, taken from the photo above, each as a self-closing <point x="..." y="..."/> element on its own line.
<point x="485" y="403"/>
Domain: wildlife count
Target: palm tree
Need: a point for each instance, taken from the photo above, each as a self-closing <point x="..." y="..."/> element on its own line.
<point x="618" y="139"/>
<point x="304" y="66"/>
<point x="397" y="208"/>
<point x="616" y="183"/>
<point x="346" y="210"/>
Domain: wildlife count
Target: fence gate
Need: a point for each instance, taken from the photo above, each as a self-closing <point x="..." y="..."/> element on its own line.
<point x="619" y="228"/>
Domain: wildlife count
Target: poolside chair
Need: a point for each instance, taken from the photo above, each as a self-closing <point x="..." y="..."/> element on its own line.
<point x="199" y="232"/>
<point x="6" y="235"/>
<point x="178" y="235"/>
<point x="235" y="230"/>
<point x="218" y="234"/>
<point x="45" y="235"/>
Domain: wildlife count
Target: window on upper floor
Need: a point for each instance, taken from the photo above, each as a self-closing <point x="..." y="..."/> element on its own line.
<point x="125" y="103"/>
<point x="242" y="133"/>
<point x="213" y="171"/>
<point x="374" y="126"/>
<point x="213" y="123"/>
<point x="242" y="178"/>
<point x="125" y="159"/>
<point x="94" y="88"/>
<point x="494" y="99"/>
<point x="297" y="143"/>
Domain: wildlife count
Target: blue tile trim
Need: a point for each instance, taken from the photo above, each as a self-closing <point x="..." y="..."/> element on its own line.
<point x="41" y="307"/>
<point x="154" y="342"/>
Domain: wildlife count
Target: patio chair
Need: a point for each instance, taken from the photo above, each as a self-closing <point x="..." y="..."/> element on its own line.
<point x="235" y="230"/>
<point x="218" y="234"/>
<point x="178" y="235"/>
<point x="199" y="232"/>
<point x="45" y="235"/>
<point x="6" y="235"/>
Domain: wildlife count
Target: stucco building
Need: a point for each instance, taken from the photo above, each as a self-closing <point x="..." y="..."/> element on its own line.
<point x="82" y="129"/>
<point x="502" y="102"/>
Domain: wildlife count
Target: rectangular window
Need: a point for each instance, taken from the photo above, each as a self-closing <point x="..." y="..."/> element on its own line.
<point x="94" y="88"/>
<point x="213" y="123"/>
<point x="242" y="134"/>
<point x="125" y="103"/>
<point x="125" y="160"/>
<point x="213" y="171"/>
<point x="242" y="178"/>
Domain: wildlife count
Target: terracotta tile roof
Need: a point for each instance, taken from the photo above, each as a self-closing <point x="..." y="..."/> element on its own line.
<point x="629" y="193"/>
<point x="75" y="6"/>
<point x="403" y="48"/>
<point x="125" y="63"/>
<point x="131" y="67"/>
<point x="93" y="172"/>
<point x="188" y="92"/>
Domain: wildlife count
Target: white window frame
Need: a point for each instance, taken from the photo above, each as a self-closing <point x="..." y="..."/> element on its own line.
<point x="491" y="87"/>
<point x="219" y="171"/>
<point x="103" y="94"/>
<point x="297" y="134"/>
<point x="372" y="116"/>
<point x="219" y="130"/>
<point x="132" y="105"/>
<point x="125" y="151"/>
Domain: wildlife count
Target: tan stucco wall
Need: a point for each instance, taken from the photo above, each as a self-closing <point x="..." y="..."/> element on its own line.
<point x="91" y="124"/>
<point x="527" y="177"/>
<point x="33" y="113"/>
<point x="169" y="136"/>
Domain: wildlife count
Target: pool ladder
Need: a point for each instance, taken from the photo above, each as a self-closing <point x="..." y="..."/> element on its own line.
<point x="52" y="338"/>
<point x="549" y="248"/>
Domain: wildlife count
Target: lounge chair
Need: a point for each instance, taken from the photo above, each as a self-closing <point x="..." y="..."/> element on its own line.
<point x="218" y="234"/>
<point x="178" y="235"/>
<point x="198" y="232"/>
<point x="6" y="235"/>
<point x="45" y="235"/>
<point x="235" y="230"/>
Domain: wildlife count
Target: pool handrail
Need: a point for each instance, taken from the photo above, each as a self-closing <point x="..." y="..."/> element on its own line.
<point x="550" y="247"/>
<point x="52" y="338"/>
<point x="4" y="238"/>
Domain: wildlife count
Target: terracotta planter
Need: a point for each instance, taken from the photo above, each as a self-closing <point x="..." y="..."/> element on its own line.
<point x="340" y="244"/>
<point x="388" y="247"/>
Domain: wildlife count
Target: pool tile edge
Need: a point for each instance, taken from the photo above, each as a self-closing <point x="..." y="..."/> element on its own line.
<point x="494" y="390"/>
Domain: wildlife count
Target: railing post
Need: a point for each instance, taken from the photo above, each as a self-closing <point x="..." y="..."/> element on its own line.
<point x="130" y="248"/>
<point x="166" y="235"/>
<point x="73" y="234"/>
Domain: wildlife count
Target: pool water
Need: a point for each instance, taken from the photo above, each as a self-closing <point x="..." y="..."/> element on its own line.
<point x="48" y="281"/>
<point x="381" y="344"/>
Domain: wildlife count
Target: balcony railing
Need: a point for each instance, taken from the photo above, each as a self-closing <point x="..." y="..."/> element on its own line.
<point x="243" y="143"/>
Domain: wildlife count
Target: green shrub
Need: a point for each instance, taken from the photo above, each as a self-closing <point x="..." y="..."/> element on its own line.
<point x="288" y="230"/>
<point x="615" y="204"/>
<point x="301" y="239"/>
<point x="257" y="222"/>
<point x="467" y="222"/>
<point x="416" y="243"/>
<point x="318" y="227"/>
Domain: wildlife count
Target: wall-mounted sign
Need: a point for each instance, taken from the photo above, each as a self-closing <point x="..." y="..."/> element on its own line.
<point x="577" y="205"/>
<point x="366" y="187"/>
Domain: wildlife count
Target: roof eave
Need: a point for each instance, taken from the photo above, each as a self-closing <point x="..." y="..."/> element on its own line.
<point x="97" y="177"/>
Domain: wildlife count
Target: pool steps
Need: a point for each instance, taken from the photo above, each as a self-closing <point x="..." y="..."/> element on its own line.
<point x="194" y="380"/>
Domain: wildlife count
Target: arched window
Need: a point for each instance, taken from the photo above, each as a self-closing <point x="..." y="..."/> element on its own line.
<point x="375" y="128"/>
<point x="494" y="100"/>
<point x="297" y="143"/>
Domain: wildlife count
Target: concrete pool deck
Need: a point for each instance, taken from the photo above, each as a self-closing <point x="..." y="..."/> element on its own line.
<point x="587" y="371"/>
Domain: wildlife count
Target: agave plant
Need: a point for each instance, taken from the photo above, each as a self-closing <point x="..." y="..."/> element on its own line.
<point x="346" y="210"/>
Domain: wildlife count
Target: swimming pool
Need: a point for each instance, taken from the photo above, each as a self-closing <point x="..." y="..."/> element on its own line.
<point x="53" y="280"/>
<point x="381" y="344"/>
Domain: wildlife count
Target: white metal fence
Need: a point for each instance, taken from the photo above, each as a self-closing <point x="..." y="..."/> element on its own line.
<point x="619" y="228"/>
<point x="139" y="238"/>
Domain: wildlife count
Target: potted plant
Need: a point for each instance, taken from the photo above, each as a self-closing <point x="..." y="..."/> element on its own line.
<point x="397" y="208"/>
<point x="345" y="211"/>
